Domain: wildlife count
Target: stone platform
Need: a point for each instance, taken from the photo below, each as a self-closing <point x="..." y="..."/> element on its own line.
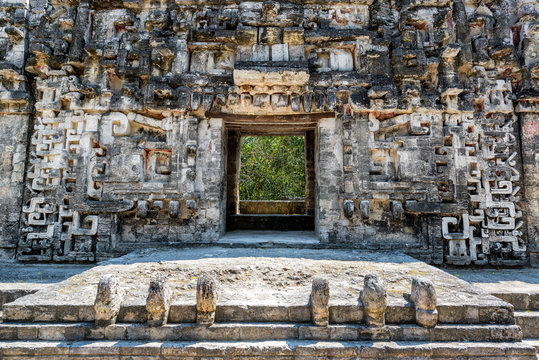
<point x="262" y="285"/>
<point x="263" y="310"/>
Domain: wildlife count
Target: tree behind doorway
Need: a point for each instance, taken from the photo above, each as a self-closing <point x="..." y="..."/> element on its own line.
<point x="272" y="168"/>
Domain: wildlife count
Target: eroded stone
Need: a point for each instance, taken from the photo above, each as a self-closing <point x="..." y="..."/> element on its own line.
<point x="423" y="295"/>
<point x="158" y="302"/>
<point x="207" y="296"/>
<point x="108" y="300"/>
<point x="373" y="296"/>
<point x="320" y="302"/>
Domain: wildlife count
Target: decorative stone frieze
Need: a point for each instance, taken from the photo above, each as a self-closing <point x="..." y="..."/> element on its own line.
<point x="117" y="116"/>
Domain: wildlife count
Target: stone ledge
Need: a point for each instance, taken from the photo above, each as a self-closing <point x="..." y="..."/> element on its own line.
<point x="258" y="331"/>
<point x="266" y="349"/>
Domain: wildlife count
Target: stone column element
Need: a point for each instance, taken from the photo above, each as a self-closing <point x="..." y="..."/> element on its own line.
<point x="309" y="172"/>
<point x="373" y="296"/>
<point x="206" y="300"/>
<point x="158" y="302"/>
<point x="528" y="114"/>
<point x="233" y="173"/>
<point x="108" y="301"/>
<point x="424" y="298"/>
<point x="320" y="302"/>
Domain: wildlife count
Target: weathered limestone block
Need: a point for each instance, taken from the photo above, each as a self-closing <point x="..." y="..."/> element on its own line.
<point x="296" y="52"/>
<point x="206" y="300"/>
<point x="423" y="296"/>
<point x="348" y="207"/>
<point x="108" y="301"/>
<point x="174" y="208"/>
<point x="293" y="36"/>
<point x="295" y="101"/>
<point x="246" y="35"/>
<point x="396" y="209"/>
<point x="279" y="52"/>
<point x="374" y="299"/>
<point x="341" y="60"/>
<point x="269" y="35"/>
<point x="320" y="302"/>
<point x="261" y="52"/>
<point x="142" y="209"/>
<point x="160" y="297"/>
<point x="307" y="101"/>
<point x="365" y="209"/>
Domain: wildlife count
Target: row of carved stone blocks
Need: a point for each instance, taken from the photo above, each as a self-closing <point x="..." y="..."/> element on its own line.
<point x="160" y="296"/>
<point x="365" y="209"/>
<point x="373" y="296"/>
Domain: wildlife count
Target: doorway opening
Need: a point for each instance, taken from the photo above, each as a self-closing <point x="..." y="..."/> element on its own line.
<point x="272" y="169"/>
<point x="270" y="181"/>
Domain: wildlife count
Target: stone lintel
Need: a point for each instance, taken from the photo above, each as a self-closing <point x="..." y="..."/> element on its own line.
<point x="271" y="74"/>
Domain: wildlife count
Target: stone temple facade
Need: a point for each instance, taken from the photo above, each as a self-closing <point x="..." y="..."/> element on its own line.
<point x="121" y="121"/>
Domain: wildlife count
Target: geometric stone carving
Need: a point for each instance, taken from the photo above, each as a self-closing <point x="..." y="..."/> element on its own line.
<point x="157" y="167"/>
<point x="132" y="104"/>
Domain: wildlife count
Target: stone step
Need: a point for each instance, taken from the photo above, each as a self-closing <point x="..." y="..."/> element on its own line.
<point x="338" y="313"/>
<point x="9" y="294"/>
<point x="270" y="222"/>
<point x="529" y="322"/>
<point x="114" y="350"/>
<point x="532" y="342"/>
<point x="520" y="300"/>
<point x="257" y="331"/>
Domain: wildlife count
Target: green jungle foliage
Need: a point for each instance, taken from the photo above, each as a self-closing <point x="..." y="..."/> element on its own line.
<point x="272" y="168"/>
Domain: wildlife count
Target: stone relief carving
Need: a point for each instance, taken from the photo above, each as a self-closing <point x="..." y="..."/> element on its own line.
<point x="427" y="102"/>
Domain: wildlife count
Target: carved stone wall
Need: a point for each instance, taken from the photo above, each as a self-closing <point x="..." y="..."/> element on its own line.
<point x="14" y="122"/>
<point x="115" y="118"/>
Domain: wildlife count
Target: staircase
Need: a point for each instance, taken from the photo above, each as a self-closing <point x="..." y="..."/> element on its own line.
<point x="526" y="306"/>
<point x="278" y="319"/>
